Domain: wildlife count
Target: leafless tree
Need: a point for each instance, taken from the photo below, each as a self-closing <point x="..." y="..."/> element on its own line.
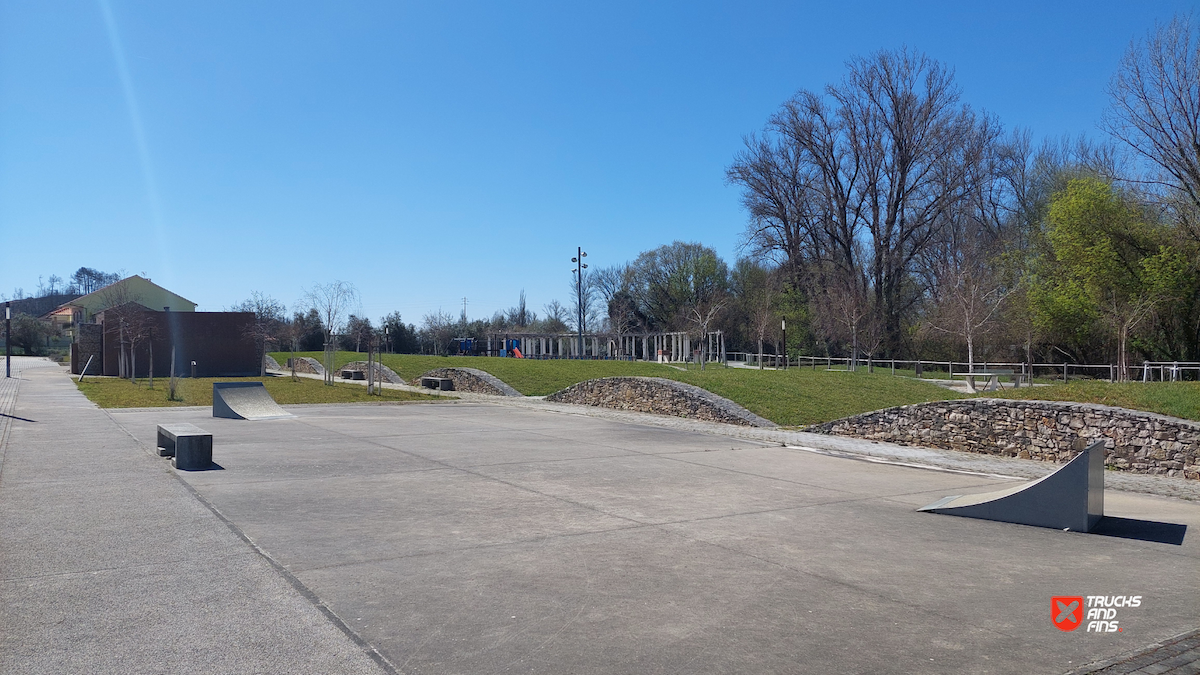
<point x="268" y="325"/>
<point x="701" y="315"/>
<point x="762" y="313"/>
<point x="333" y="301"/>
<point x="556" y="317"/>
<point x="438" y="328"/>
<point x="1156" y="106"/>
<point x="878" y="158"/>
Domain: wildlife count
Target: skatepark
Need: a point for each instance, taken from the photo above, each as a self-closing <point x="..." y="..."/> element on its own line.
<point x="470" y="536"/>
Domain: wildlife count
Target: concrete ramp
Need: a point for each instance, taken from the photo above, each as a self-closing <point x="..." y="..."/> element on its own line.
<point x="1071" y="498"/>
<point x="245" y="401"/>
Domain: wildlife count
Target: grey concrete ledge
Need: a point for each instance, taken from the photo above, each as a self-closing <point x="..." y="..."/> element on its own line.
<point x="382" y="372"/>
<point x="660" y="396"/>
<point x="472" y="380"/>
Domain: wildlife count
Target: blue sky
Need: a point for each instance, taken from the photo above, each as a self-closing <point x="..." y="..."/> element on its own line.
<point x="431" y="151"/>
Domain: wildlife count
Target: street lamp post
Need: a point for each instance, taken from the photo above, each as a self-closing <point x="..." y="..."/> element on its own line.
<point x="7" y="339"/>
<point x="783" y="325"/>
<point x="580" y="266"/>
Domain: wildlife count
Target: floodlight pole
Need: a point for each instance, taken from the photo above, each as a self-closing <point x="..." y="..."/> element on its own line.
<point x="7" y="338"/>
<point x="579" y="268"/>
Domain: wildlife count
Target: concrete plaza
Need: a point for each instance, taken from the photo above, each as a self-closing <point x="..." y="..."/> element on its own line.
<point x="468" y="537"/>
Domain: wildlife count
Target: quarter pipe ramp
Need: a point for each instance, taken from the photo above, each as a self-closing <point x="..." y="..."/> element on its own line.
<point x="1071" y="498"/>
<point x="245" y="401"/>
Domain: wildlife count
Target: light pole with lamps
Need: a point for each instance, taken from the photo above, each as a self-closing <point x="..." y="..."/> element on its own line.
<point x="579" y="268"/>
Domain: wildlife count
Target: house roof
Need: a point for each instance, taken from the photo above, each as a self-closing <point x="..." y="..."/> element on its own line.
<point x="130" y="289"/>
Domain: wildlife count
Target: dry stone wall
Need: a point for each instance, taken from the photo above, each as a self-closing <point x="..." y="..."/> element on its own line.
<point x="472" y="380"/>
<point x="1136" y="441"/>
<point x="660" y="396"/>
<point x="272" y="363"/>
<point x="382" y="372"/>
<point x="309" y="365"/>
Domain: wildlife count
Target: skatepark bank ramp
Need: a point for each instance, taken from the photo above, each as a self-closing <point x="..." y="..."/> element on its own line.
<point x="1071" y="498"/>
<point x="245" y="401"/>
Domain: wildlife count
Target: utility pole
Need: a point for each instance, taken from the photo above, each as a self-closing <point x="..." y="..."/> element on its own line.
<point x="7" y="338"/>
<point x="464" y="314"/>
<point x="579" y="268"/>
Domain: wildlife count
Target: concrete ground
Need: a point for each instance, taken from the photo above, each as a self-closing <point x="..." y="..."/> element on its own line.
<point x="470" y="537"/>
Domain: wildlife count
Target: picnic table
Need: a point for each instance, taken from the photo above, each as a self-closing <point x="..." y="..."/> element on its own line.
<point x="992" y="376"/>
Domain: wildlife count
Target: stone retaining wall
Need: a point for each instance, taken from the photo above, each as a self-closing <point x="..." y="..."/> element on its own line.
<point x="307" y="364"/>
<point x="272" y="364"/>
<point x="472" y="380"/>
<point x="660" y="396"/>
<point x="382" y="372"/>
<point x="1136" y="441"/>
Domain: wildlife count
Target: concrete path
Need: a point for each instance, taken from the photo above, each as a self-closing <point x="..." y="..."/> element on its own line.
<point x="110" y="564"/>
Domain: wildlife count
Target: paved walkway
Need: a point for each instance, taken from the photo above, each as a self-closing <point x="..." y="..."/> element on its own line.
<point x="1179" y="655"/>
<point x="110" y="564"/>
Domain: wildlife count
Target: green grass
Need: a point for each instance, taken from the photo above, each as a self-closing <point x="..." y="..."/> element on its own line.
<point x="1177" y="399"/>
<point x="793" y="397"/>
<point x="110" y="392"/>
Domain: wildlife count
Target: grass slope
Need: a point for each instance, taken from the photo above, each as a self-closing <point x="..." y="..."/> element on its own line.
<point x="110" y="392"/>
<point x="793" y="397"/>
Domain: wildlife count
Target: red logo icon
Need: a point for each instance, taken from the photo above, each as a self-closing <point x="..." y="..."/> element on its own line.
<point x="1066" y="612"/>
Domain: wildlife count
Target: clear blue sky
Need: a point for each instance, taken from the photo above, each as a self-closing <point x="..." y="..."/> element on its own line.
<point x="431" y="151"/>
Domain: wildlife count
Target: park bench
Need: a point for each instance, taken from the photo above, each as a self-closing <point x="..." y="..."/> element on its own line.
<point x="992" y="376"/>
<point x="441" y="383"/>
<point x="190" y="445"/>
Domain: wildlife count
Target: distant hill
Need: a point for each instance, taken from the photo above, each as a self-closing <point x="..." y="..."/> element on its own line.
<point x="39" y="306"/>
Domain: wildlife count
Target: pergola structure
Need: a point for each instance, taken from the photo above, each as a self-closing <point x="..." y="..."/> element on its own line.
<point x="666" y="347"/>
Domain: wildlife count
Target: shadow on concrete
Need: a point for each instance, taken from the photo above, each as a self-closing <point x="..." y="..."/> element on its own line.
<point x="14" y="417"/>
<point x="211" y="467"/>
<point x="1141" y="530"/>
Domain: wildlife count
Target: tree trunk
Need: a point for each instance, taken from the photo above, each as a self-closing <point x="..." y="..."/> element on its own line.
<point x="151" y="344"/>
<point x="760" y="352"/>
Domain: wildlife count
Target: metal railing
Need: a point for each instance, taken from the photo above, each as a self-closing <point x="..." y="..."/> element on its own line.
<point x="1148" y="371"/>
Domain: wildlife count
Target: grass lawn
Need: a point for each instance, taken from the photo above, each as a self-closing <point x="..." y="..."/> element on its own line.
<point x="1177" y="399"/>
<point x="793" y="397"/>
<point x="110" y="392"/>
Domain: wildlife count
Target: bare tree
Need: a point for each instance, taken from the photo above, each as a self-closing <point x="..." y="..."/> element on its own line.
<point x="763" y="314"/>
<point x="269" y="320"/>
<point x="333" y="301"/>
<point x="701" y="315"/>
<point x="969" y="302"/>
<point x="878" y="158"/>
<point x="1156" y="106"/>
<point x="556" y="317"/>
